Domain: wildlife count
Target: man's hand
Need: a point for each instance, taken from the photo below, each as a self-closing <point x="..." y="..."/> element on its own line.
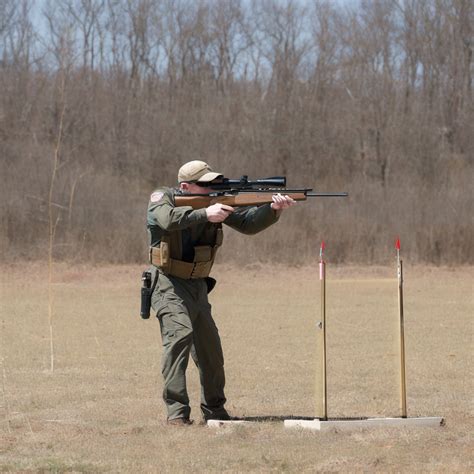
<point x="218" y="212"/>
<point x="281" y="202"/>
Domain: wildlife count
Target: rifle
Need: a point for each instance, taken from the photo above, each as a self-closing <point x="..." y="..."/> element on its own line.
<point x="242" y="192"/>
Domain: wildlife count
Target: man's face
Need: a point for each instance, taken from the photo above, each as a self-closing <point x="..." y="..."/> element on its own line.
<point x="194" y="188"/>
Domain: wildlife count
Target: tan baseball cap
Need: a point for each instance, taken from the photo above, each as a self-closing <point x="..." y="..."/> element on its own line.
<point x="197" y="171"/>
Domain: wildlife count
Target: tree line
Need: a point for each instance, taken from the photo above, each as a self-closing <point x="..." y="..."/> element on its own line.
<point x="101" y="101"/>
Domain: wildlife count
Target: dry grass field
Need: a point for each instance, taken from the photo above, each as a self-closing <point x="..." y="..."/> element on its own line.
<point x="101" y="411"/>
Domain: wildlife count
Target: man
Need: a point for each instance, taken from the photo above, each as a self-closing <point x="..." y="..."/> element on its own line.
<point x="184" y="243"/>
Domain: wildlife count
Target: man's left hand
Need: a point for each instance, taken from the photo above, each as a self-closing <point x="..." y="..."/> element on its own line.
<point x="281" y="202"/>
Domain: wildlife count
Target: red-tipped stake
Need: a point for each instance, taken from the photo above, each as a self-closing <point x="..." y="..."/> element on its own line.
<point x="321" y="260"/>
<point x="403" y="388"/>
<point x="321" y="391"/>
<point x="397" y="244"/>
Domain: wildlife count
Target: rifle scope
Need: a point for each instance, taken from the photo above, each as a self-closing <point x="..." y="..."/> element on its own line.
<point x="244" y="183"/>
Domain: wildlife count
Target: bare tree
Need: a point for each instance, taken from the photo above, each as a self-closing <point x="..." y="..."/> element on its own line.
<point x="229" y="40"/>
<point x="282" y="42"/>
<point x="86" y="14"/>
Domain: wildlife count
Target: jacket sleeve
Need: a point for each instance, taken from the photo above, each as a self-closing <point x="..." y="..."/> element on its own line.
<point x="251" y="220"/>
<point x="163" y="213"/>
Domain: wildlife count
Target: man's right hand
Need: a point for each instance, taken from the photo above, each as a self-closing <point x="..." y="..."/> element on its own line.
<point x="218" y="212"/>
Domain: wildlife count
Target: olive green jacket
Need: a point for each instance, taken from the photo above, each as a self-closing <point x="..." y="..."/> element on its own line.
<point x="164" y="219"/>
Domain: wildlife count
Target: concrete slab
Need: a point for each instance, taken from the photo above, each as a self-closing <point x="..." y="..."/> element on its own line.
<point x="252" y="420"/>
<point x="342" y="424"/>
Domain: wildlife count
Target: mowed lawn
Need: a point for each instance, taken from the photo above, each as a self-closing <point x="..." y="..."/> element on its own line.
<point x="100" y="410"/>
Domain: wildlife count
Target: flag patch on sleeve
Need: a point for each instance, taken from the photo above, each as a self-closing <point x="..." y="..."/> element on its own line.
<point x="156" y="196"/>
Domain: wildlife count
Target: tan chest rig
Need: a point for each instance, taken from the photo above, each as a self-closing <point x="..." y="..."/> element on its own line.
<point x="167" y="256"/>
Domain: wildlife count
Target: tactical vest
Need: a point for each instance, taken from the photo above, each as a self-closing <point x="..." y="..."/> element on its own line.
<point x="168" y="256"/>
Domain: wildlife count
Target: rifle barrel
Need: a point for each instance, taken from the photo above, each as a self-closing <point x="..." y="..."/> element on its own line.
<point x="312" y="194"/>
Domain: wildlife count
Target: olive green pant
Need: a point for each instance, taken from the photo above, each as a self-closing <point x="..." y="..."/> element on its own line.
<point x="187" y="327"/>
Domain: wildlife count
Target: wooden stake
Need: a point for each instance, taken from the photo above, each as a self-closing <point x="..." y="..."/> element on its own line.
<point x="321" y="386"/>
<point x="403" y="389"/>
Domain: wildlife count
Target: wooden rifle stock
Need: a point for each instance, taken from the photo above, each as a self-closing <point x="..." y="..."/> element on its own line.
<point x="243" y="199"/>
